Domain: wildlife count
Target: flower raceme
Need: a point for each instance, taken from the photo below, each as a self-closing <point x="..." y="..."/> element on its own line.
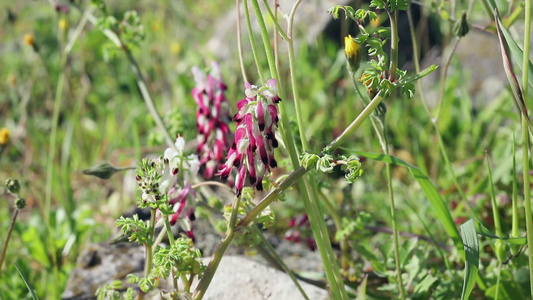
<point x="212" y="117"/>
<point x="166" y="182"/>
<point x="252" y="151"/>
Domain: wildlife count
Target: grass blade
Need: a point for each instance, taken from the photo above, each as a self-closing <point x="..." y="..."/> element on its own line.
<point x="32" y="292"/>
<point x="481" y="230"/>
<point x="440" y="208"/>
<point x="471" y="245"/>
<point x="513" y="81"/>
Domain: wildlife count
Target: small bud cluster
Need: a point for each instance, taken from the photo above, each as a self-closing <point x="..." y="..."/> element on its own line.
<point x="212" y="118"/>
<point x="252" y="152"/>
<point x="13" y="187"/>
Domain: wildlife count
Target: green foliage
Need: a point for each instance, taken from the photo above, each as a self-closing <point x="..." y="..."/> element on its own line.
<point x="103" y="118"/>
<point x="137" y="230"/>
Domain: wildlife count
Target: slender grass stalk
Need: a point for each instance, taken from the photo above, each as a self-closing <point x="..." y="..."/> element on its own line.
<point x="307" y="191"/>
<point x="525" y="142"/>
<point x="239" y="39"/>
<point x="515" y="249"/>
<point x="219" y="252"/>
<point x="141" y="82"/>
<point x="527" y="197"/>
<point x="434" y="120"/>
<point x="8" y="237"/>
<point x="50" y="170"/>
<point x="294" y="84"/>
<point x="394" y="223"/>
<point x="252" y="41"/>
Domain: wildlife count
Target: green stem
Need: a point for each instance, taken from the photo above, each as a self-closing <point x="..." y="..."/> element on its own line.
<point x="516" y="217"/>
<point x="420" y="91"/>
<point x="346" y="134"/>
<point x="525" y="142"/>
<point x="141" y="83"/>
<point x="219" y="252"/>
<point x="9" y="231"/>
<point x="50" y="168"/>
<point x="171" y="241"/>
<point x="527" y="197"/>
<point x="294" y="85"/>
<point x="393" y="217"/>
<point x="394" y="45"/>
<point x="275" y="20"/>
<point x="307" y="192"/>
<point x="239" y="40"/>
<point x="252" y="41"/>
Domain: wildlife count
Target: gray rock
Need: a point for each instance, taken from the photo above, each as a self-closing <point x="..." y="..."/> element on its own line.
<point x="100" y="264"/>
<point x="239" y="278"/>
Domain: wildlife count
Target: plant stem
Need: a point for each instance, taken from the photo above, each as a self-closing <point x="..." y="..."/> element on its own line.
<point x="252" y="41"/>
<point x="9" y="231"/>
<point x="219" y="252"/>
<point x="393" y="219"/>
<point x="434" y="121"/>
<point x="307" y="191"/>
<point x="141" y="83"/>
<point x="525" y="142"/>
<point x="294" y="85"/>
<point x="346" y="134"/>
<point x="394" y="44"/>
<point x="239" y="39"/>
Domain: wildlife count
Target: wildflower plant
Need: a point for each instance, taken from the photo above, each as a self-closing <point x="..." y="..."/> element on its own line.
<point x="165" y="185"/>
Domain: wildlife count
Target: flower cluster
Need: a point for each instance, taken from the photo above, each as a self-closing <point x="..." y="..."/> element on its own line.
<point x="252" y="152"/>
<point x="167" y="181"/>
<point x="212" y="118"/>
<point x="300" y="228"/>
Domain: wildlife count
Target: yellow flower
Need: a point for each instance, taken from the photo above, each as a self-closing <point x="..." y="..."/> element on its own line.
<point x="29" y="39"/>
<point x="63" y="24"/>
<point x="175" y="48"/>
<point x="353" y="53"/>
<point x="12" y="80"/>
<point x="4" y="136"/>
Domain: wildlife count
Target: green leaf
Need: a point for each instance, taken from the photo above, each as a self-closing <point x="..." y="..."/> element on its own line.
<point x="471" y="245"/>
<point x="32" y="292"/>
<point x="513" y="81"/>
<point x="481" y="230"/>
<point x="440" y="209"/>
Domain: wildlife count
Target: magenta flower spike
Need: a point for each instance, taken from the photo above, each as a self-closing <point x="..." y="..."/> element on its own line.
<point x="212" y="118"/>
<point x="252" y="151"/>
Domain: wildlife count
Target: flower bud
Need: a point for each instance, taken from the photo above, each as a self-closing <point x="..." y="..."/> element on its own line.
<point x="103" y="171"/>
<point x="4" y="136"/>
<point x="461" y="27"/>
<point x="353" y="53"/>
<point x="20" y="203"/>
<point x="13" y="186"/>
<point x="29" y="40"/>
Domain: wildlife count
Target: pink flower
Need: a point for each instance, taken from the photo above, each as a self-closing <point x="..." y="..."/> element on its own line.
<point x="252" y="152"/>
<point x="212" y="118"/>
